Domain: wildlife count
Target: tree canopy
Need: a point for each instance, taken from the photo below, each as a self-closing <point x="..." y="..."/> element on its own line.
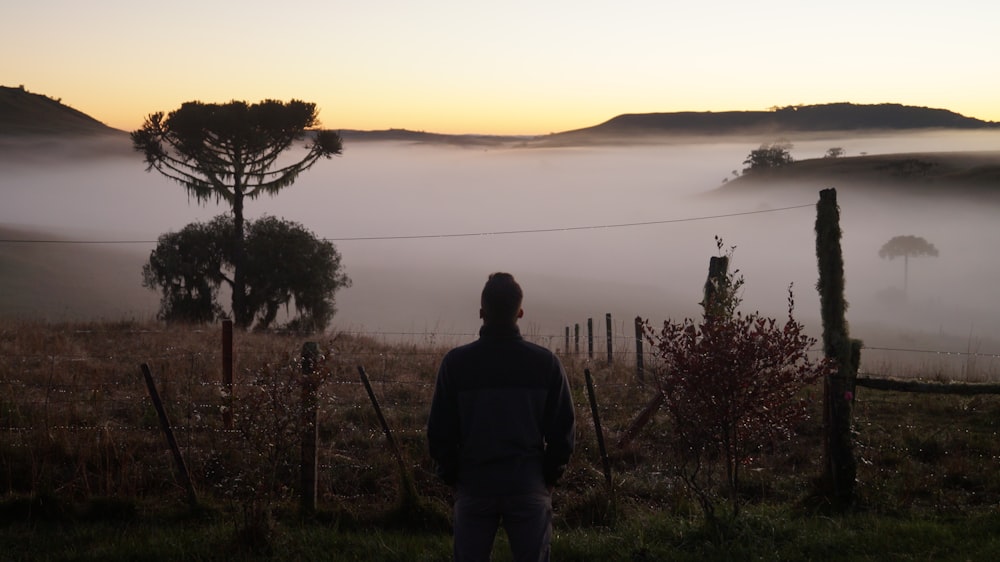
<point x="768" y="156"/>
<point x="286" y="266"/>
<point x="907" y="246"/>
<point x="230" y="152"/>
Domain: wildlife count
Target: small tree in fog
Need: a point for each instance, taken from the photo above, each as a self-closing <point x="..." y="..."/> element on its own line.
<point x="768" y="156"/>
<point x="230" y="152"/>
<point x="906" y="246"/>
<point x="835" y="152"/>
<point x="732" y="385"/>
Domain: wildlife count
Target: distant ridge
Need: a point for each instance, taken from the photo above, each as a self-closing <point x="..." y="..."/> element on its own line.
<point x="26" y="114"/>
<point x="23" y="113"/>
<point x="405" y="135"/>
<point x="833" y="117"/>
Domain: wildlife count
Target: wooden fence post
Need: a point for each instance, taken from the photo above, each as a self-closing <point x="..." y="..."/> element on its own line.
<point x="638" y="349"/>
<point x="840" y="467"/>
<point x="605" y="462"/>
<point x="576" y="339"/>
<point x="590" y="338"/>
<point x="161" y="413"/>
<point x="607" y="319"/>
<point x="409" y="489"/>
<point x="227" y="373"/>
<point x="310" y="428"/>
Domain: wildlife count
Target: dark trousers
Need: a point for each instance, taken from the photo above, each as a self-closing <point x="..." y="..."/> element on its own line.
<point x="527" y="519"/>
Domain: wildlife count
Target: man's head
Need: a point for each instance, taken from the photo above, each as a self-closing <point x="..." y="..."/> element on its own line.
<point x="501" y="300"/>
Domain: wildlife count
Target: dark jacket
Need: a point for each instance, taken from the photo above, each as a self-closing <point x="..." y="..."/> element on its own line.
<point x="502" y="418"/>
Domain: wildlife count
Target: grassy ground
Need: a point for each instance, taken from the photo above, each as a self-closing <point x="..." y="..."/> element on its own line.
<point x="85" y="473"/>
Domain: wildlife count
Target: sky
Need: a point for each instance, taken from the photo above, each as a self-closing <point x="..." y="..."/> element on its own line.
<point x="515" y="67"/>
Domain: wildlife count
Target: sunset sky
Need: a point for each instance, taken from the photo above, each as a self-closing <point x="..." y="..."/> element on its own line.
<point x="512" y="67"/>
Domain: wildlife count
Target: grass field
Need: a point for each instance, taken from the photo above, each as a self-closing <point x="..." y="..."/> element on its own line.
<point x="87" y="475"/>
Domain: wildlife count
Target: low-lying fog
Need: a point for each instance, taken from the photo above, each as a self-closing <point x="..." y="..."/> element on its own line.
<point x="406" y="280"/>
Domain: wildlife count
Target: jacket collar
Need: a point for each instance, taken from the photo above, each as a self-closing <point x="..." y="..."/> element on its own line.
<point x="493" y="331"/>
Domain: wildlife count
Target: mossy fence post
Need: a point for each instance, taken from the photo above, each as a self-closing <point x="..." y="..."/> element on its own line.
<point x="840" y="467"/>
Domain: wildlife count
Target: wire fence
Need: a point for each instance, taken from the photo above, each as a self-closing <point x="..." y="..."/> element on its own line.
<point x="78" y="420"/>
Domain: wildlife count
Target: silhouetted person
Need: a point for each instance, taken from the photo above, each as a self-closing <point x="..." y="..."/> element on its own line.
<point x="501" y="430"/>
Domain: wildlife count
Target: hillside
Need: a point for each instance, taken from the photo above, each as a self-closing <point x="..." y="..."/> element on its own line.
<point x="835" y="117"/>
<point x="23" y="113"/>
<point x="932" y="173"/>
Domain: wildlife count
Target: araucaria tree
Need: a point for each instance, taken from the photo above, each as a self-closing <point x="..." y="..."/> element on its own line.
<point x="906" y="246"/>
<point x="732" y="384"/>
<point x="230" y="152"/>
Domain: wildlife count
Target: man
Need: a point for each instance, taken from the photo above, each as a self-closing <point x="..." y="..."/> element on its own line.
<point x="501" y="430"/>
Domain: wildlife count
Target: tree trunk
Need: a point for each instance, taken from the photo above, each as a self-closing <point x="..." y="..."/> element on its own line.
<point x="240" y="316"/>
<point x="906" y="273"/>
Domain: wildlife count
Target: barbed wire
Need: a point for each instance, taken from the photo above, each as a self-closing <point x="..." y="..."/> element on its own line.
<point x="454" y="234"/>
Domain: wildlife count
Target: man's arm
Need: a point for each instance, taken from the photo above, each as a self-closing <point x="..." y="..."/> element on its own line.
<point x="560" y="426"/>
<point x="443" y="431"/>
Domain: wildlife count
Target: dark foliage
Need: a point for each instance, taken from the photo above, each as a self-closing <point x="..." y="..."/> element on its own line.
<point x="286" y="265"/>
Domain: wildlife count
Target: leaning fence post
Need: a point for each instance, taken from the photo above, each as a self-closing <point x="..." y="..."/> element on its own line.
<point x="638" y="348"/>
<point x="161" y="413"/>
<point x="227" y="373"/>
<point x="607" y="318"/>
<point x="310" y="428"/>
<point x="409" y="488"/>
<point x="605" y="462"/>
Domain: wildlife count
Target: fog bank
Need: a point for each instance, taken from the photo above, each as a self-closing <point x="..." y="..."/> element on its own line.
<point x="587" y="231"/>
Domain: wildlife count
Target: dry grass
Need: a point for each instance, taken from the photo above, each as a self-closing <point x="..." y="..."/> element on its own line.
<point x="76" y="423"/>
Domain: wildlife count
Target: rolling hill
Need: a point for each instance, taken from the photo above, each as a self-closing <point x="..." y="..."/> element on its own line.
<point x="23" y="113"/>
<point x="826" y="118"/>
<point x="940" y="174"/>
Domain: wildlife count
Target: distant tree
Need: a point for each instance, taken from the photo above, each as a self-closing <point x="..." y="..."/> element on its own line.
<point x="835" y="152"/>
<point x="230" y="152"/>
<point x="768" y="156"/>
<point x="906" y="246"/>
<point x="286" y="265"/>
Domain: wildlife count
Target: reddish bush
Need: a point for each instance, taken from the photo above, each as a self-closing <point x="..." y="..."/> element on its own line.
<point x="732" y="384"/>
